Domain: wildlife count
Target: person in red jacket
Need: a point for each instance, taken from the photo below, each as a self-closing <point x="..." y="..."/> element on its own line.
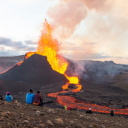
<point x="68" y="108"/>
<point x="38" y="100"/>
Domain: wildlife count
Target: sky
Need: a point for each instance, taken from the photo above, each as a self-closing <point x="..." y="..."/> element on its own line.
<point x="85" y="29"/>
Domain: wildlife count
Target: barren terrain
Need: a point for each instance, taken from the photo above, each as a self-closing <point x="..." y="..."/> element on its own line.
<point x="19" y="115"/>
<point x="103" y="85"/>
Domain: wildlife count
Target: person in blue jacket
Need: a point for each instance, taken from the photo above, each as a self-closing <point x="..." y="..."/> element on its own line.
<point x="8" y="97"/>
<point x="29" y="97"/>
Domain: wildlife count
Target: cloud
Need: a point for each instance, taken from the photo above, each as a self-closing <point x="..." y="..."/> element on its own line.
<point x="84" y="50"/>
<point x="8" y="53"/>
<point x="8" y="42"/>
<point x="29" y="42"/>
<point x="9" y="47"/>
<point x="88" y="51"/>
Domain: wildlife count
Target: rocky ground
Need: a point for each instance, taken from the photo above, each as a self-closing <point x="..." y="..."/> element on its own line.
<point x="13" y="115"/>
<point x="112" y="93"/>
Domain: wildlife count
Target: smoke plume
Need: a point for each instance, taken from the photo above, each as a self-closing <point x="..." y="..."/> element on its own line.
<point x="67" y="15"/>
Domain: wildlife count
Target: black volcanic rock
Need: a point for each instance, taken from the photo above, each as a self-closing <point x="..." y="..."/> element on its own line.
<point x="35" y="70"/>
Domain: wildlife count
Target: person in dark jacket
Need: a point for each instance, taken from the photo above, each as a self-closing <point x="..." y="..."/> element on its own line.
<point x="38" y="100"/>
<point x="8" y="97"/>
<point x="89" y="111"/>
<point x="30" y="97"/>
<point x="1" y="98"/>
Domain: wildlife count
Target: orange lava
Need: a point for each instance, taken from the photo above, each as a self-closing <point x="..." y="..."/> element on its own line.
<point x="74" y="103"/>
<point x="19" y="63"/>
<point x="29" y="54"/>
<point x="73" y="80"/>
<point x="49" y="46"/>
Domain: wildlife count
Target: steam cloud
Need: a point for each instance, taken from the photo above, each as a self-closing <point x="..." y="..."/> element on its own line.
<point x="69" y="13"/>
<point x="96" y="71"/>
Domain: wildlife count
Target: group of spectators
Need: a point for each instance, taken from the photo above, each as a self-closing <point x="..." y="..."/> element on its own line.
<point x="30" y="98"/>
<point x="34" y="99"/>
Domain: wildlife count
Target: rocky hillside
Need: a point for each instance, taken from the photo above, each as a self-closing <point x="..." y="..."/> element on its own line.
<point x="22" y="115"/>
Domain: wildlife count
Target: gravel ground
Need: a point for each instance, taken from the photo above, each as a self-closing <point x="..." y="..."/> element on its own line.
<point x="19" y="115"/>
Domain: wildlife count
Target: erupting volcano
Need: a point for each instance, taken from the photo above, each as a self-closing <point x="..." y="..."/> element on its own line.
<point x="49" y="48"/>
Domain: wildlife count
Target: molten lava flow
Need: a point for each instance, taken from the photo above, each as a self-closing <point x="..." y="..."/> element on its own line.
<point x="72" y="80"/>
<point x="74" y="103"/>
<point x="19" y="63"/>
<point x="29" y="54"/>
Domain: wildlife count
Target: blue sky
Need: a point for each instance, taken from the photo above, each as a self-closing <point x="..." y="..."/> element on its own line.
<point x="86" y="29"/>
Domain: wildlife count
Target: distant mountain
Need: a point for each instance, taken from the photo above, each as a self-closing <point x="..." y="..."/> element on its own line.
<point x="99" y="71"/>
<point x="8" y="62"/>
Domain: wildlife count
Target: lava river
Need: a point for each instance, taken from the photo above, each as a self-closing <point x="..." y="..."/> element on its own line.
<point x="78" y="104"/>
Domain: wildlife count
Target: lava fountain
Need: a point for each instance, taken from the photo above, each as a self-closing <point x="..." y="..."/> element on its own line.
<point x="48" y="46"/>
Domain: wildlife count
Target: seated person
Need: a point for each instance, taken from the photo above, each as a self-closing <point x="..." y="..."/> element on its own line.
<point x="29" y="97"/>
<point x="68" y="108"/>
<point x="89" y="111"/>
<point x="1" y="98"/>
<point x="38" y="100"/>
<point x="8" y="97"/>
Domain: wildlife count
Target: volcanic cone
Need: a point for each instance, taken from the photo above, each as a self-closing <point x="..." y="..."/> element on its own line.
<point x="35" y="70"/>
